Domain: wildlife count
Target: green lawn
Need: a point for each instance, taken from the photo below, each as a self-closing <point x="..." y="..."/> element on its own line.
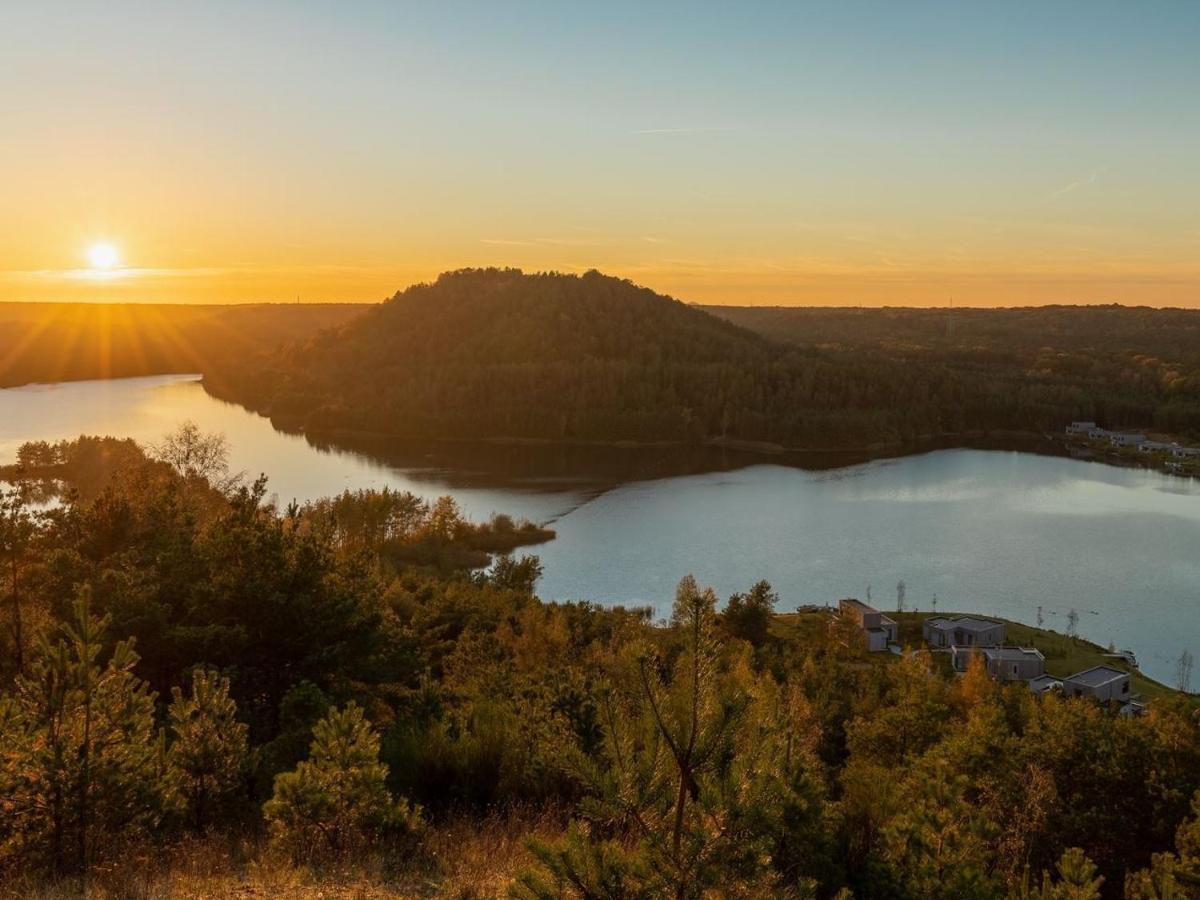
<point x="804" y="628"/>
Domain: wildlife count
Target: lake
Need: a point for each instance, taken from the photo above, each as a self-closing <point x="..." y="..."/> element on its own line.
<point x="992" y="532"/>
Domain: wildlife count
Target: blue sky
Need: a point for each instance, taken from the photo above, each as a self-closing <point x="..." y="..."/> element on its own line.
<point x="784" y="153"/>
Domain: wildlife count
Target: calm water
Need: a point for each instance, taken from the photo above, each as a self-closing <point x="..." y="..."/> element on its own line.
<point x="985" y="531"/>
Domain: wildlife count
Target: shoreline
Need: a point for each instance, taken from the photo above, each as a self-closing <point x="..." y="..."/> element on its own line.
<point x="1125" y="458"/>
<point x="829" y="457"/>
<point x="832" y="456"/>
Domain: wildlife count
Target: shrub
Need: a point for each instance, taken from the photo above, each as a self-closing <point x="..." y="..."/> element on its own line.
<point x="336" y="803"/>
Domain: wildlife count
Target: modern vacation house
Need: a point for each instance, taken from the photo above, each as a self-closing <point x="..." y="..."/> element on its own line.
<point x="1103" y="683"/>
<point x="877" y="629"/>
<point x="962" y="631"/>
<point x="1003" y="663"/>
<point x="1121" y="439"/>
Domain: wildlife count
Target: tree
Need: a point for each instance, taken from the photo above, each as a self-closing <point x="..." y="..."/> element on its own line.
<point x="976" y="685"/>
<point x="278" y="606"/>
<point x="17" y="530"/>
<point x="336" y="802"/>
<point x="937" y="846"/>
<point x="516" y="574"/>
<point x="194" y="454"/>
<point x="680" y="783"/>
<point x="444" y="521"/>
<point x="749" y="615"/>
<point x="84" y="764"/>
<point x="208" y="747"/>
<point x="1077" y="879"/>
<point x="1172" y="876"/>
<point x="1183" y="672"/>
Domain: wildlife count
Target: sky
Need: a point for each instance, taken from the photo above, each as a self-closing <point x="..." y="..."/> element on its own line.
<point x="837" y="153"/>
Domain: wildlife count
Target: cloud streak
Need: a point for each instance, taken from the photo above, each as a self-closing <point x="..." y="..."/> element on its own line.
<point x="1092" y="178"/>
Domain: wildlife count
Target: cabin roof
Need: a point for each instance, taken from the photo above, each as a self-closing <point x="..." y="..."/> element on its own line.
<point x="1013" y="653"/>
<point x="971" y="623"/>
<point x="1097" y="676"/>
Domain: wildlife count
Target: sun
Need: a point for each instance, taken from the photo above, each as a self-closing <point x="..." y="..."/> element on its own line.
<point x="103" y="255"/>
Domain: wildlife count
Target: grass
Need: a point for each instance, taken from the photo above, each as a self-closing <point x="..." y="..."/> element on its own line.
<point x="804" y="627"/>
<point x="463" y="859"/>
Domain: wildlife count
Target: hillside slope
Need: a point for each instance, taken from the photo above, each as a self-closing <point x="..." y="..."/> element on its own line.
<point x="490" y="353"/>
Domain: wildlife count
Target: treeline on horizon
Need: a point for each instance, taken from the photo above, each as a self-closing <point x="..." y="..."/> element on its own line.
<point x="334" y="693"/>
<point x="1139" y="366"/>
<point x="47" y="342"/>
<point x="491" y="353"/>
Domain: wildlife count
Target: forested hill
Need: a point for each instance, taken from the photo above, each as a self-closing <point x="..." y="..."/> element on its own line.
<point x="489" y="353"/>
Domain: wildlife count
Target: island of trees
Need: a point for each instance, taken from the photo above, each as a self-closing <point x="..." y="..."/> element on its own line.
<point x="203" y="694"/>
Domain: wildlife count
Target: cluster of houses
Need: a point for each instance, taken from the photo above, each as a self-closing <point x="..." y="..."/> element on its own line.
<point x="968" y="636"/>
<point x="1140" y="442"/>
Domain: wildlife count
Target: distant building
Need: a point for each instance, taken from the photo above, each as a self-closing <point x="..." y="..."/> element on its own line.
<point x="1044" y="683"/>
<point x="962" y="631"/>
<point x="1122" y="439"/>
<point x="1183" y="452"/>
<point x="1103" y="683"/>
<point x="1156" y="447"/>
<point x="1133" y="708"/>
<point x="878" y="630"/>
<point x="1002" y="663"/>
<point x="1084" y="428"/>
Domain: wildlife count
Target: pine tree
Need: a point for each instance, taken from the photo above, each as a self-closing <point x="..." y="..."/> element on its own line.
<point x="1172" y="876"/>
<point x="208" y="747"/>
<point x="678" y="785"/>
<point x="82" y="762"/>
<point x="937" y="846"/>
<point x="336" y="802"/>
<point x="17" y="530"/>
<point x="1077" y="879"/>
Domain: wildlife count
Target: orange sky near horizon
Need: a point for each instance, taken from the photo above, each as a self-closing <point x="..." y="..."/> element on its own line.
<point x="793" y="154"/>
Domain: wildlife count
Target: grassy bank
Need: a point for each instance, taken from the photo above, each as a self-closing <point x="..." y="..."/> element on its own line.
<point x="464" y="857"/>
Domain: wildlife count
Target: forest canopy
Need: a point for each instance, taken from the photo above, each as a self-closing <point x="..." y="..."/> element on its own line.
<point x="340" y="690"/>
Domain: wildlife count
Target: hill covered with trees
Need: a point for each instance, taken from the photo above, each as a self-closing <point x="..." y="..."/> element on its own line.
<point x="496" y="354"/>
<point x="204" y="695"/>
<point x="501" y="354"/>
